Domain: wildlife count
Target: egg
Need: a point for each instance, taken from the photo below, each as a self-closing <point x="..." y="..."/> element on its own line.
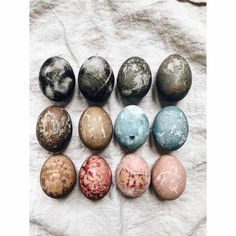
<point x="95" y="128"/>
<point x="170" y="128"/>
<point x="54" y="128"/>
<point x="96" y="79"/>
<point x="95" y="177"/>
<point x="134" y="78"/>
<point x="58" y="176"/>
<point x="131" y="127"/>
<point x="168" y="177"/>
<point x="174" y="78"/>
<point x="133" y="175"/>
<point x="57" y="79"/>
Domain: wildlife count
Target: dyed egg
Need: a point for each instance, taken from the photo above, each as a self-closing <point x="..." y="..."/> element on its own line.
<point x="57" y="79"/>
<point x="134" y="78"/>
<point x="96" y="79"/>
<point x="168" y="177"/>
<point x="54" y="128"/>
<point x="170" y="128"/>
<point x="133" y="175"/>
<point x="95" y="128"/>
<point x="95" y="177"/>
<point x="58" y="176"/>
<point x="174" y="78"/>
<point x="131" y="127"/>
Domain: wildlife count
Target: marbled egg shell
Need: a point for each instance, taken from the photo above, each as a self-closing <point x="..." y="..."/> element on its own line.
<point x="58" y="176"/>
<point x="170" y="128"/>
<point x="95" y="177"/>
<point x="134" y="78"/>
<point x="131" y="127"/>
<point x="174" y="78"/>
<point x="54" y="128"/>
<point x="168" y="177"/>
<point x="96" y="79"/>
<point x="57" y="79"/>
<point x="133" y="175"/>
<point x="95" y="128"/>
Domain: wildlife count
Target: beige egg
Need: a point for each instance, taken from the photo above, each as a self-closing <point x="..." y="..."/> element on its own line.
<point x="58" y="176"/>
<point x="168" y="177"/>
<point x="95" y="128"/>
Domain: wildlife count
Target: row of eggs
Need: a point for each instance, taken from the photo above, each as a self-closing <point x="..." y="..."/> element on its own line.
<point x="58" y="176"/>
<point x="131" y="129"/>
<point x="96" y="79"/>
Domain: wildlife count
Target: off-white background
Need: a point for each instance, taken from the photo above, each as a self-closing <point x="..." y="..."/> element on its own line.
<point x="117" y="30"/>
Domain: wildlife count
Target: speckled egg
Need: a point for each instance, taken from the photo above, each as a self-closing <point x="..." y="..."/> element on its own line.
<point x="95" y="128"/>
<point x="168" y="177"/>
<point x="170" y="128"/>
<point x="133" y="175"/>
<point x="174" y="78"/>
<point x="96" y="79"/>
<point x="134" y="78"/>
<point x="54" y="128"/>
<point x="58" y="176"/>
<point x="95" y="177"/>
<point x="131" y="127"/>
<point x="57" y="79"/>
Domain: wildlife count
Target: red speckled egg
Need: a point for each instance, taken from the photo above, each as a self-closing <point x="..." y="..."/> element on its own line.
<point x="133" y="175"/>
<point x="95" y="177"/>
<point x="168" y="177"/>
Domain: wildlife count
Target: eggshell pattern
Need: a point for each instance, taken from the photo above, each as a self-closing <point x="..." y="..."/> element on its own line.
<point x="95" y="177"/>
<point x="131" y="127"/>
<point x="168" y="177"/>
<point x="58" y="176"/>
<point x="170" y="128"/>
<point x="174" y="78"/>
<point x="133" y="175"/>
<point x="54" y="128"/>
<point x="57" y="79"/>
<point x="95" y="128"/>
<point x="96" y="79"/>
<point x="134" y="78"/>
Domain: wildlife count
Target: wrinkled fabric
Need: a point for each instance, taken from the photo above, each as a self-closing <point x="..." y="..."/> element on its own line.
<point x="116" y="30"/>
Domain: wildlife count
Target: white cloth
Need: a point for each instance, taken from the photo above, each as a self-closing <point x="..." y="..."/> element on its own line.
<point x="116" y="30"/>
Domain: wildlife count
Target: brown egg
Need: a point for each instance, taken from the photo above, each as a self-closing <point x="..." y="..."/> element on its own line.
<point x="95" y="128"/>
<point x="168" y="177"/>
<point x="58" y="176"/>
<point x="133" y="175"/>
<point x="54" y="128"/>
<point x="95" y="177"/>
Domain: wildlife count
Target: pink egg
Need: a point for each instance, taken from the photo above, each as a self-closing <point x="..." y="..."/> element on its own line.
<point x="133" y="175"/>
<point x="168" y="177"/>
<point x="95" y="177"/>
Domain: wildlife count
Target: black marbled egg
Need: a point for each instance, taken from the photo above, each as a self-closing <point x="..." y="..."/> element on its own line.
<point x="96" y="79"/>
<point x="174" y="78"/>
<point x="134" y="78"/>
<point x="57" y="79"/>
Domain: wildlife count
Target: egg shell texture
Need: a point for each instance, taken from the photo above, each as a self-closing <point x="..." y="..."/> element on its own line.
<point x="133" y="175"/>
<point x="95" y="128"/>
<point x="168" y="177"/>
<point x="95" y="177"/>
<point x="57" y="79"/>
<point x="54" y="128"/>
<point x="58" y="176"/>
<point x="131" y="127"/>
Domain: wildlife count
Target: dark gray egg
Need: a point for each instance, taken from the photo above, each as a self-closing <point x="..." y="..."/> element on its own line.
<point x="57" y="79"/>
<point x="54" y="128"/>
<point x="134" y="78"/>
<point x="174" y="78"/>
<point x="96" y="79"/>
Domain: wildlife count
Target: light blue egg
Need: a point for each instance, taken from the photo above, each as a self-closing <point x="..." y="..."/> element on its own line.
<point x="170" y="128"/>
<point x="131" y="127"/>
